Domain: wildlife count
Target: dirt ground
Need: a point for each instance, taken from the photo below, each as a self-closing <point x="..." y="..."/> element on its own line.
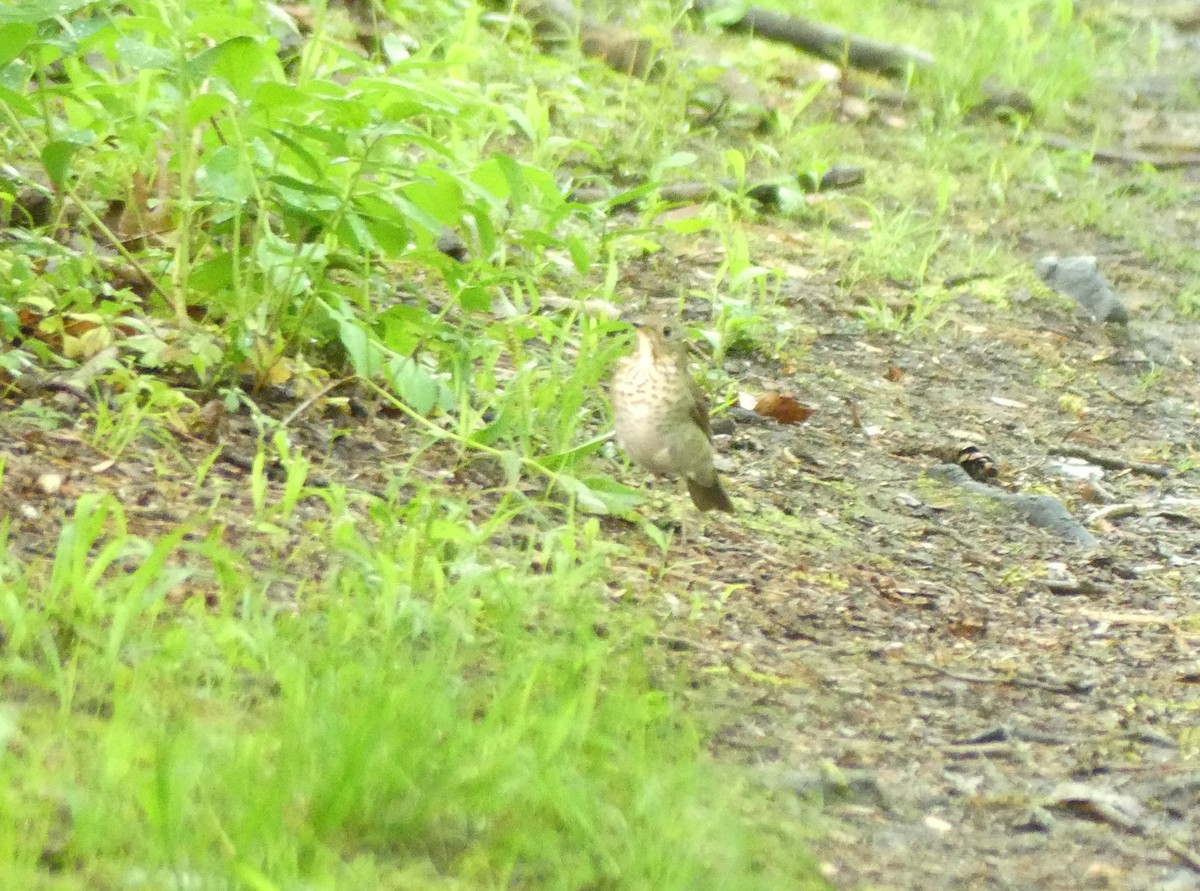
<point x="981" y="703"/>
<point x="979" y="700"/>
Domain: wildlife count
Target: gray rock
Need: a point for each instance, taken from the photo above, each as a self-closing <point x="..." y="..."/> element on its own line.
<point x="1080" y="279"/>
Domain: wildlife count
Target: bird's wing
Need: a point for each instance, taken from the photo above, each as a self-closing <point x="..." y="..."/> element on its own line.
<point x="700" y="408"/>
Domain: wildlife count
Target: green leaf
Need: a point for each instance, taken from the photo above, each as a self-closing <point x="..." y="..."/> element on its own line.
<point x="414" y="384"/>
<point x="334" y="140"/>
<point x="474" y="298"/>
<point x="580" y="255"/>
<point x="17" y="102"/>
<point x="572" y="456"/>
<point x="56" y="159"/>
<point x="352" y="233"/>
<point x="273" y="97"/>
<point x="10" y="323"/>
<point x="629" y="196"/>
<point x="514" y="177"/>
<point x="36" y="11"/>
<point x="687" y="225"/>
<point x="253" y="879"/>
<point x="213" y="275"/>
<point x="491" y="433"/>
<point x="679" y="159"/>
<point x="299" y="185"/>
<point x="389" y="238"/>
<point x="725" y="15"/>
<point x="426" y="228"/>
<point x="617" y="498"/>
<point x="205" y="106"/>
<point x="140" y="55"/>
<point x="365" y="355"/>
<point x="437" y="194"/>
<point x="238" y="61"/>
<point x="491" y="177"/>
<point x="13" y="40"/>
<point x="306" y="157"/>
<point x="484" y="230"/>
<point x="226" y="175"/>
<point x="585" y="499"/>
<point x="404" y="327"/>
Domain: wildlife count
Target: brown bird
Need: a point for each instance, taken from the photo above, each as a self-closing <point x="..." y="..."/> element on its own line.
<point x="662" y="415"/>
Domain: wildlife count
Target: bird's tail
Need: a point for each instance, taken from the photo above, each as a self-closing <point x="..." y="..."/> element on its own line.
<point x="709" y="497"/>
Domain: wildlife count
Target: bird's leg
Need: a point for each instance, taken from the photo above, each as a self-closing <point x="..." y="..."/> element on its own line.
<point x="684" y="506"/>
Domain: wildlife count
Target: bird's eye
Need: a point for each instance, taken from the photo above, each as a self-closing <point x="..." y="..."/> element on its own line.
<point x="668" y="331"/>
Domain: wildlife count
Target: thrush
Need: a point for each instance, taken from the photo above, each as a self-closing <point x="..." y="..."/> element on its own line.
<point x="662" y="414"/>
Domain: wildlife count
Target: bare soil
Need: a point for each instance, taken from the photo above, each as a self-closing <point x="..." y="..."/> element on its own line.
<point x="977" y="700"/>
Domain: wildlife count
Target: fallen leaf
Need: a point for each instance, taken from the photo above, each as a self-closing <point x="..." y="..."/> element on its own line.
<point x="783" y="408"/>
<point x="971" y="629"/>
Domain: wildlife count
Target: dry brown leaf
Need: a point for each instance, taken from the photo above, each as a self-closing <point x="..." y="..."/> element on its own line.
<point x="783" y="408"/>
<point x="971" y="629"/>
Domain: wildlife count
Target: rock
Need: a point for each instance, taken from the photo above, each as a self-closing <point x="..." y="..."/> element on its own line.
<point x="1080" y="279"/>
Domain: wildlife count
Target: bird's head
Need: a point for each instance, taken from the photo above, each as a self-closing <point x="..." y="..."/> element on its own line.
<point x="660" y="338"/>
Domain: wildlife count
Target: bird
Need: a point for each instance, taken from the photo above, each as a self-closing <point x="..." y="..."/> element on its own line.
<point x="661" y="413"/>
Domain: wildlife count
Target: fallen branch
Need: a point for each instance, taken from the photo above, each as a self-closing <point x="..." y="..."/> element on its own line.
<point x="1120" y="811"/>
<point x="308" y="403"/>
<point x="1129" y="157"/>
<point x="766" y="193"/>
<point x="1068" y="689"/>
<point x="1112" y="462"/>
<point x="823" y="40"/>
<point x="1124" y="400"/>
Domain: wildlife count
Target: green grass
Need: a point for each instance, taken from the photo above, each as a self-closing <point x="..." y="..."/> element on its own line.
<point x="425" y="713"/>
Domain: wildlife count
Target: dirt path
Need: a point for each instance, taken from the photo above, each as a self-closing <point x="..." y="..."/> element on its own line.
<point x="979" y="702"/>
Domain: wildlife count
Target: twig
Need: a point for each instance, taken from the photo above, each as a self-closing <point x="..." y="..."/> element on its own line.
<point x="768" y="193"/>
<point x="307" y="403"/>
<point x="1112" y="462"/>
<point x="1124" y="400"/>
<point x="1190" y="858"/>
<point x="1114" y="512"/>
<point x="1129" y="157"/>
<point x="1068" y="689"/>
<point x="683" y="644"/>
